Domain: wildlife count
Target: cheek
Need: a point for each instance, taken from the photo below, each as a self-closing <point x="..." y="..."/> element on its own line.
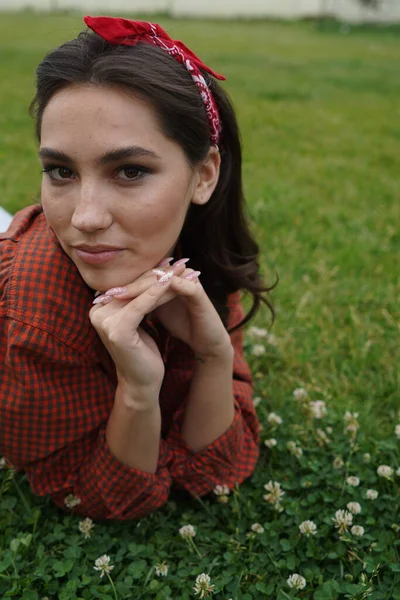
<point x="54" y="211"/>
<point x="165" y="213"/>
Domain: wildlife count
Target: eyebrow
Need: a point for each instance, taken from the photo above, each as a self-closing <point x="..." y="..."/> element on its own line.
<point x="107" y="158"/>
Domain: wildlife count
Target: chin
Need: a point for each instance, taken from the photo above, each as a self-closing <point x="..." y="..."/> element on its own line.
<point x="102" y="281"/>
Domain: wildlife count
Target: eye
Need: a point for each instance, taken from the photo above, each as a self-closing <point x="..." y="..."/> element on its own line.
<point x="57" y="173"/>
<point x="132" y="172"/>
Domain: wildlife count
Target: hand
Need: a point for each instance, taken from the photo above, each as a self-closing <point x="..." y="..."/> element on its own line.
<point x="136" y="356"/>
<point x="189" y="315"/>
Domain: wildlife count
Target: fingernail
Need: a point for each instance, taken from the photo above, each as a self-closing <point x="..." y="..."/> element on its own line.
<point x="117" y="290"/>
<point x="158" y="272"/>
<point x="103" y="298"/>
<point x="165" y="278"/>
<point x="165" y="261"/>
<point x="180" y="262"/>
<point x="97" y="294"/>
<point x="192" y="275"/>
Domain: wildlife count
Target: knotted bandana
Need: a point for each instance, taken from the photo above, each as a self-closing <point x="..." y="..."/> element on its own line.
<point x="117" y="31"/>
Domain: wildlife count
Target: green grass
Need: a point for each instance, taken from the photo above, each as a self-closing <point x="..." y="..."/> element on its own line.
<point x="320" y="120"/>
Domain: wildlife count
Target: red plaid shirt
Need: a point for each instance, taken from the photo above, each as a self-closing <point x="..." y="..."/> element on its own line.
<point x="58" y="384"/>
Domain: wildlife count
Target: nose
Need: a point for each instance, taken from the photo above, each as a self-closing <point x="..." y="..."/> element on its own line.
<point x="92" y="209"/>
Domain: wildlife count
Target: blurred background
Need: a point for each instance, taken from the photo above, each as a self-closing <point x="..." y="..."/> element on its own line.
<point x="316" y="86"/>
<point x="351" y="10"/>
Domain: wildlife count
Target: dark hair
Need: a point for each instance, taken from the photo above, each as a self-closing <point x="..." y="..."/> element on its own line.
<point x="215" y="235"/>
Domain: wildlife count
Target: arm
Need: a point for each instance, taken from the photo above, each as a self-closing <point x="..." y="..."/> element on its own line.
<point x="210" y="406"/>
<point x="54" y="407"/>
<point x="231" y="457"/>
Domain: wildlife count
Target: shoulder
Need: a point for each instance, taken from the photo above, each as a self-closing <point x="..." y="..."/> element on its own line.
<point x="39" y="284"/>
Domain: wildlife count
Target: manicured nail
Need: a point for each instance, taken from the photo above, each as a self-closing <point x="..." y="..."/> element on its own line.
<point x="158" y="272"/>
<point x="165" y="278"/>
<point x="180" y="262"/>
<point x="193" y="275"/>
<point x="115" y="291"/>
<point x="165" y="261"/>
<point x="103" y="298"/>
<point x="97" y="294"/>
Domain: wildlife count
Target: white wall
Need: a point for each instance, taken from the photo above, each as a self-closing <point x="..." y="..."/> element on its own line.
<point x="347" y="10"/>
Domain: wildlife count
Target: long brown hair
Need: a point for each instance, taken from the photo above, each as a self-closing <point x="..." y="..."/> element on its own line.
<point x="215" y="235"/>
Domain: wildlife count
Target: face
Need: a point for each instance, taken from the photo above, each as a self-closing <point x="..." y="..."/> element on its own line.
<point x="112" y="177"/>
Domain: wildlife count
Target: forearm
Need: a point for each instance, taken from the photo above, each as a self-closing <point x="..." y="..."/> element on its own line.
<point x="210" y="405"/>
<point x="133" y="433"/>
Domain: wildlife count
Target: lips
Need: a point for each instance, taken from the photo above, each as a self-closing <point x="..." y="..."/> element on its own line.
<point x="97" y="249"/>
<point x="99" y="257"/>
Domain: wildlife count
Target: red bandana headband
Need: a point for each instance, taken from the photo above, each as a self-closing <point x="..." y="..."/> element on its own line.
<point x="128" y="33"/>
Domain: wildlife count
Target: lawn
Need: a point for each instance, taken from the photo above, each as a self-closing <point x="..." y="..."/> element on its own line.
<point x="320" y="120"/>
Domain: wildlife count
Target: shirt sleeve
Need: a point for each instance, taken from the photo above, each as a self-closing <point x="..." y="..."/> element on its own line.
<point x="54" y="406"/>
<point x="232" y="457"/>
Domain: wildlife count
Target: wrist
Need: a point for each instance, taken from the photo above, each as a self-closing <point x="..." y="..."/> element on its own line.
<point x="221" y="357"/>
<point x="137" y="399"/>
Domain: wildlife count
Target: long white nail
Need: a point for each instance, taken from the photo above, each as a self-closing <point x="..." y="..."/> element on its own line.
<point x="165" y="262"/>
<point x="165" y="278"/>
<point x="193" y="275"/>
<point x="103" y="298"/>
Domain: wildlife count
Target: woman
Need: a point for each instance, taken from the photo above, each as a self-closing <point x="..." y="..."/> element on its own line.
<point x="123" y="373"/>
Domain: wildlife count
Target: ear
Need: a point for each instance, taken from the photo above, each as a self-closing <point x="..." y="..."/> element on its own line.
<point x="206" y="176"/>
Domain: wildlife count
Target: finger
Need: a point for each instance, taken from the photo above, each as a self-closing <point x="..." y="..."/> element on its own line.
<point x="190" y="289"/>
<point x="144" y="304"/>
<point x="140" y="285"/>
<point x="134" y="310"/>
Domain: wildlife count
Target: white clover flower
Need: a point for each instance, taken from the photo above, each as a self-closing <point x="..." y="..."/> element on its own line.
<point x="308" y="528"/>
<point x="257" y="332"/>
<point x="86" y="526"/>
<point x="274" y="419"/>
<point x="351" y="422"/>
<point x="322" y="438"/>
<point x="256" y="401"/>
<point x="270" y="443"/>
<point x="397" y="431"/>
<point x="318" y="409"/>
<point x="3" y="463"/>
<point x="161" y="569"/>
<point x="338" y="462"/>
<point x="258" y="350"/>
<point x="371" y="494"/>
<point x="103" y="564"/>
<point x="329" y="430"/>
<point x="275" y="492"/>
<point x="272" y="339"/>
<point x="385" y="471"/>
<point x="342" y="520"/>
<point x="296" y="581"/>
<point x="221" y="490"/>
<point x="354" y="508"/>
<point x="202" y="586"/>
<point x="187" y="531"/>
<point x="71" y="501"/>
<point x="353" y="481"/>
<point x="300" y="394"/>
<point x="357" y="530"/>
<point x="298" y="452"/>
<point x="367" y="457"/>
<point x="257" y="528"/>
<point x="294" y="449"/>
